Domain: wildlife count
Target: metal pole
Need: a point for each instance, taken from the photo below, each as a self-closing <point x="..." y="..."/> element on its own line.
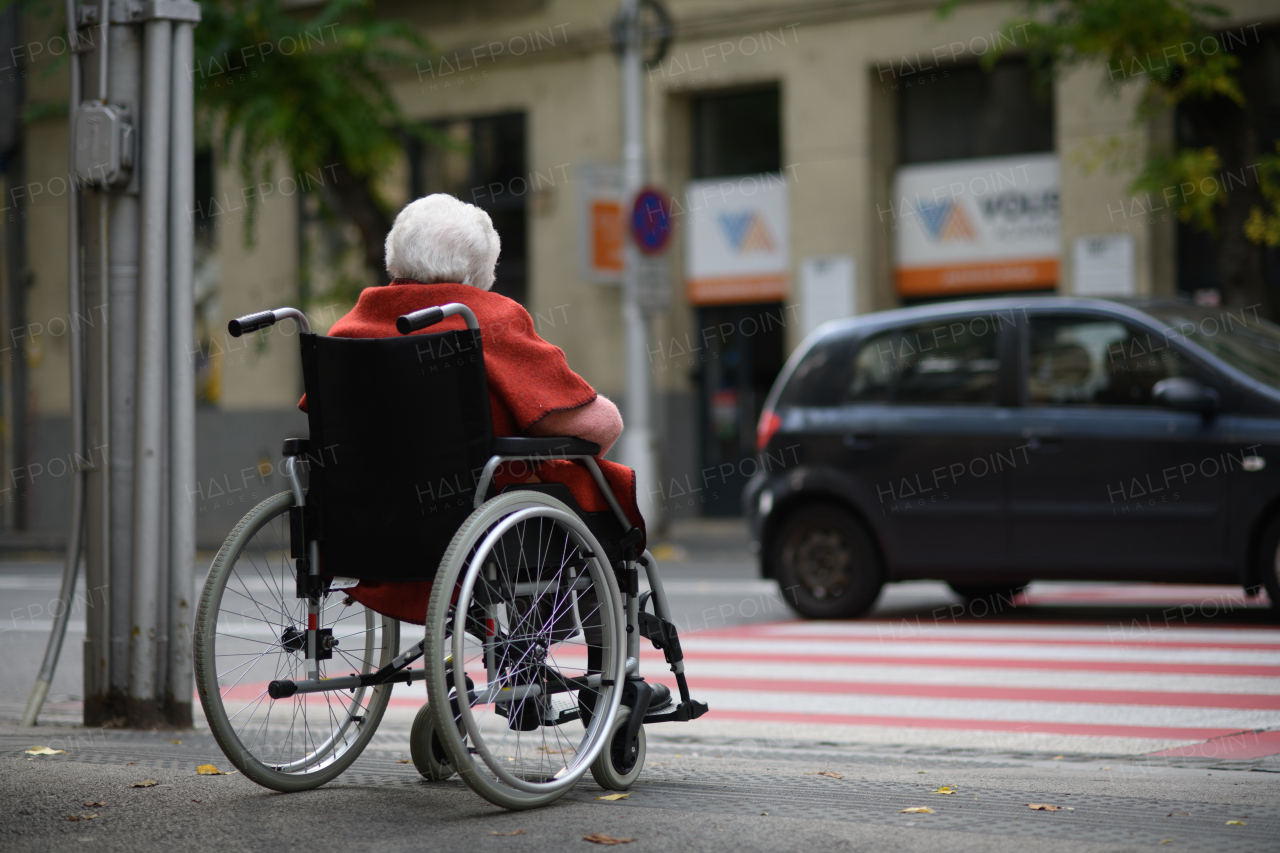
<point x="637" y="439"/>
<point x="182" y="413"/>
<point x="125" y="89"/>
<point x="152" y="352"/>
<point x="97" y="635"/>
<point x="74" y="308"/>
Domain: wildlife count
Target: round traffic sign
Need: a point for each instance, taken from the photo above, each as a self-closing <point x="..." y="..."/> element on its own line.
<point x="651" y="221"/>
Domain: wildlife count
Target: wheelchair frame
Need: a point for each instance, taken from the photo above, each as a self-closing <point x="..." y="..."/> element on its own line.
<point x="657" y="627"/>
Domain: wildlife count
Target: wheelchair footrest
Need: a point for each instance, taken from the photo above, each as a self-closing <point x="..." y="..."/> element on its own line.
<point x="685" y="711"/>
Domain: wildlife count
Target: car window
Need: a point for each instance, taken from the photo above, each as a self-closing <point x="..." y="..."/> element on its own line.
<point x="873" y="371"/>
<point x="1095" y="361"/>
<point x="1244" y="340"/>
<point x="946" y="362"/>
<point x="822" y="377"/>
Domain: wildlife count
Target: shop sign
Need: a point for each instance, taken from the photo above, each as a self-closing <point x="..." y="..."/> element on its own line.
<point x="1104" y="265"/>
<point x="600" y="222"/>
<point x="970" y="226"/>
<point x="737" y="239"/>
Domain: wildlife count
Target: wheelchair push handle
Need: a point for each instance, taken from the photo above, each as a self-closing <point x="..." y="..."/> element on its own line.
<point x="430" y="316"/>
<point x="254" y="322"/>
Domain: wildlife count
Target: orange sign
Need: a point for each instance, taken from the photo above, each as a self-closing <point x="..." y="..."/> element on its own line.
<point x="1030" y="274"/>
<point x="606" y="235"/>
<point x="730" y="289"/>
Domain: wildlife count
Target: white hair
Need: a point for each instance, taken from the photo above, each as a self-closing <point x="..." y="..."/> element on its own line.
<point x="439" y="239"/>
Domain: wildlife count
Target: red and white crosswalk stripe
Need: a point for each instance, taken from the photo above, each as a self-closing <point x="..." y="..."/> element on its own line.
<point x="1134" y="685"/>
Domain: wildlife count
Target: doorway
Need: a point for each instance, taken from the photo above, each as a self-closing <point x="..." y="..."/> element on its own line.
<point x="743" y="348"/>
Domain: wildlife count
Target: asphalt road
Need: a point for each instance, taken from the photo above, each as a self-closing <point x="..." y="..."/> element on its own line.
<point x="1145" y="713"/>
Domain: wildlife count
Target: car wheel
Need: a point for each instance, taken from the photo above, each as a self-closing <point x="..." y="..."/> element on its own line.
<point x="1269" y="559"/>
<point x="826" y="563"/>
<point x="996" y="595"/>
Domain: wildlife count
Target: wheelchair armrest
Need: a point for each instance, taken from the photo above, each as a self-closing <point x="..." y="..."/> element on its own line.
<point x="545" y="446"/>
<point x="296" y="447"/>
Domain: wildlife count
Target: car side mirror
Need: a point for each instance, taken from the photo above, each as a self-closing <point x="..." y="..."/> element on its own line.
<point x="1185" y="395"/>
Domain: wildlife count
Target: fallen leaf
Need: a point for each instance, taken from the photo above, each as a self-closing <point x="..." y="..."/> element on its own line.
<point x="1045" y="807"/>
<point x="1236" y="823"/>
<point x="81" y="816"/>
<point x="1058" y="757"/>
<point x="131" y="763"/>
<point x="405" y="761"/>
<point x="209" y="770"/>
<point x="612" y="797"/>
<point x="917" y="810"/>
<point x="1166" y="841"/>
<point x="145" y="783"/>
<point x="833" y="774"/>
<point x="92" y="805"/>
<point x="512" y="832"/>
<point x="945" y="789"/>
<point x="922" y="772"/>
<point x="1184" y="814"/>
<point x="196" y="801"/>
<point x="601" y="838"/>
<point x="764" y="814"/>
<point x="44" y="750"/>
<point x="1108" y="768"/>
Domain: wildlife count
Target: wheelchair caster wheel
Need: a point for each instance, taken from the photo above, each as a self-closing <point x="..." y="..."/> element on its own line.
<point x="606" y="769"/>
<point x="428" y="753"/>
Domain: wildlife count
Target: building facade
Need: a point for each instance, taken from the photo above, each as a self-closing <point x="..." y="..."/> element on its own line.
<point x="823" y="159"/>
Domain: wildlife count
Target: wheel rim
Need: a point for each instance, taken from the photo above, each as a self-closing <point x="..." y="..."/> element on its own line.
<point x="532" y="646"/>
<point x="821" y="561"/>
<point x="254" y="639"/>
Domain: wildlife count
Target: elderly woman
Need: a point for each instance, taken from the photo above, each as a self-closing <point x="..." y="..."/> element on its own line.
<point x="443" y="250"/>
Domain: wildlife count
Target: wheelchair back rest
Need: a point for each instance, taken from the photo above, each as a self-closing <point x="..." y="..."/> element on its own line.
<point x="400" y="430"/>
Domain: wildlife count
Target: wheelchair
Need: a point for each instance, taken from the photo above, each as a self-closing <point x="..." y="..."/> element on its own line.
<point x="531" y="652"/>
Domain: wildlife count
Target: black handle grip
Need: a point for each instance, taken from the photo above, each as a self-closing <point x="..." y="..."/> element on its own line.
<point x="419" y="320"/>
<point x="251" y="323"/>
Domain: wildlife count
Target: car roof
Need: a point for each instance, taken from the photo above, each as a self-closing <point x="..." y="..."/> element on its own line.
<point x="1133" y="308"/>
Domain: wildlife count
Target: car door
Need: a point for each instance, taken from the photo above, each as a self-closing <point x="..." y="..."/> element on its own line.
<point x="926" y="434"/>
<point x="1117" y="486"/>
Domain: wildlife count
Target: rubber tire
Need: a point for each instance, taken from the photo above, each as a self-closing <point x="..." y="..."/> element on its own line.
<point x="1269" y="563"/>
<point x="438" y="648"/>
<point x="868" y="572"/>
<point x="429" y="758"/>
<point x="602" y="770"/>
<point x="202" y="652"/>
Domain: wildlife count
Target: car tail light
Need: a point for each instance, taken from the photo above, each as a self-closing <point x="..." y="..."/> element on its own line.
<point x="769" y="424"/>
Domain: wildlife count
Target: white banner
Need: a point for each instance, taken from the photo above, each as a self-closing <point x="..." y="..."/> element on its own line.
<point x="975" y="225"/>
<point x="737" y="239"/>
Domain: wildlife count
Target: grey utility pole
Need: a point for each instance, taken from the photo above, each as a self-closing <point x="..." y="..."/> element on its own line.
<point x="637" y="438"/>
<point x="132" y="149"/>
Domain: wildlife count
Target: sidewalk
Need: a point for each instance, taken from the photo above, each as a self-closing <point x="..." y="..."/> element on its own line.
<point x="707" y="796"/>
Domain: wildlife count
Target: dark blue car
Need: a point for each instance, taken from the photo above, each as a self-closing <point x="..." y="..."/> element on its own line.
<point x="990" y="443"/>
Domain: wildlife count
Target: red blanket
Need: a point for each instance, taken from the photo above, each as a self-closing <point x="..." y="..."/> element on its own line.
<point x="528" y="379"/>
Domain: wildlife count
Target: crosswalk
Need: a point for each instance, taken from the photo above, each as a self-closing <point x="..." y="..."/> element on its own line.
<point x="1131" y="685"/>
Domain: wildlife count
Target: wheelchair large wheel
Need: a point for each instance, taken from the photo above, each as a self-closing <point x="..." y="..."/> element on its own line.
<point x="525" y="650"/>
<point x="249" y="631"/>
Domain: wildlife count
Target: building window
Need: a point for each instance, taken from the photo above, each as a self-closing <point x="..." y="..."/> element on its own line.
<point x="736" y="133"/>
<point x="482" y="161"/>
<point x="966" y="112"/>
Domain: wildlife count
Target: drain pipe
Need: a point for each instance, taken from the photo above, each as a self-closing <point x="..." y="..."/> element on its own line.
<point x="71" y="567"/>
